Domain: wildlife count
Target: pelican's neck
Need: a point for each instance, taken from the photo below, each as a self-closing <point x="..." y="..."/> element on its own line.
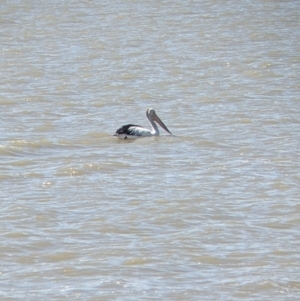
<point x="155" y="130"/>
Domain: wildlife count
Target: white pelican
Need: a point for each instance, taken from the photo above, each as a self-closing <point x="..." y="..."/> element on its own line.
<point x="132" y="131"/>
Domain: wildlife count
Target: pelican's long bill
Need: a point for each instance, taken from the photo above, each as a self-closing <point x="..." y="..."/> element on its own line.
<point x="133" y="131"/>
<point x="157" y="119"/>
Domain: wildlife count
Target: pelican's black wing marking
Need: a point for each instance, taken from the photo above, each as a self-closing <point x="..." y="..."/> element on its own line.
<point x="128" y="129"/>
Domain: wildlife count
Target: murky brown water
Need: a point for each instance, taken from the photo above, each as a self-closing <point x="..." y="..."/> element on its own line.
<point x="211" y="213"/>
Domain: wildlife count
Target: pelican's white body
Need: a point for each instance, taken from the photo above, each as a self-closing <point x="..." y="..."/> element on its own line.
<point x="138" y="132"/>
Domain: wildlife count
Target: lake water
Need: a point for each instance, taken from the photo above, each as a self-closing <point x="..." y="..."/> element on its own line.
<point x="211" y="213"/>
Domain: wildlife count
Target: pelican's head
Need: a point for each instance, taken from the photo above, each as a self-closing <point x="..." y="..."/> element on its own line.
<point x="150" y="112"/>
<point x="152" y="115"/>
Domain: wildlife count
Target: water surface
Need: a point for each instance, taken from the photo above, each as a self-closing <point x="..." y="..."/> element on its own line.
<point x="211" y="213"/>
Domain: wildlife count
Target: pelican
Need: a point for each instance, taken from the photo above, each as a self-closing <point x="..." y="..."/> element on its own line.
<point x="132" y="131"/>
